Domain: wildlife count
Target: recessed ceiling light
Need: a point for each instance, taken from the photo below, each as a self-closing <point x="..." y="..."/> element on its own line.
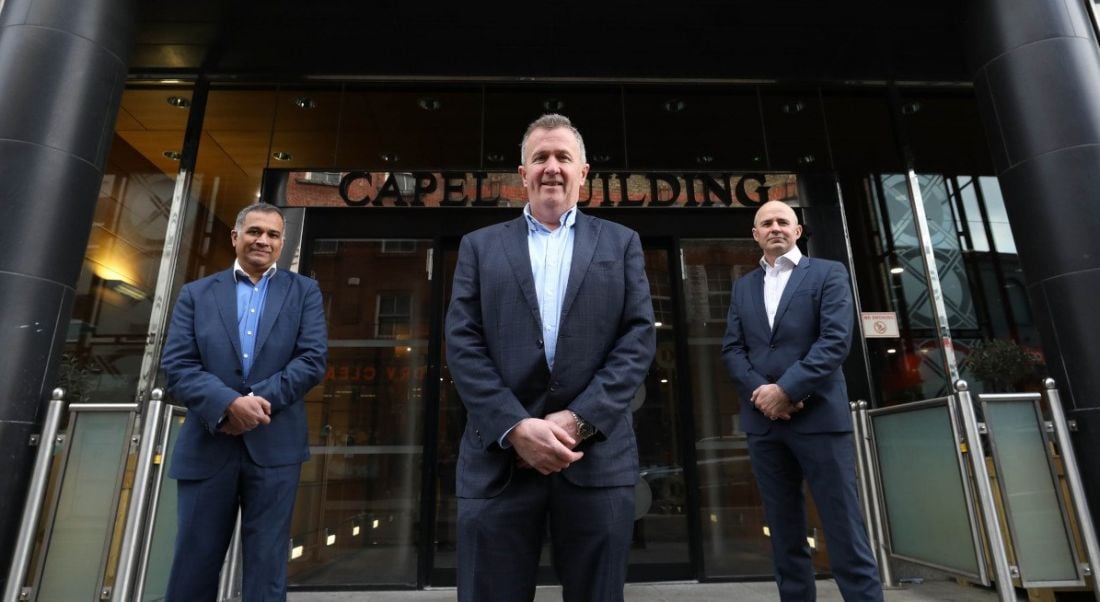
<point x="389" y="157"/>
<point x="910" y="107"/>
<point x="173" y="155"/>
<point x="428" y="103"/>
<point x="179" y="102"/>
<point x="674" y="105"/>
<point x="305" y="102"/>
<point x="897" y="270"/>
<point x="553" y="104"/>
<point x="807" y="159"/>
<point x="601" y="158"/>
<point x="795" y="106"/>
<point x="495" y="157"/>
<point x="281" y="156"/>
<point x="704" y="159"/>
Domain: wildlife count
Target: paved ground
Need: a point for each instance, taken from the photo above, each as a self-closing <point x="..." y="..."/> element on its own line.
<point x="927" y="591"/>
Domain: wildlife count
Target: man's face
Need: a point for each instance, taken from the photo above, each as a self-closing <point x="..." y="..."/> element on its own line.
<point x="258" y="241"/>
<point x="776" y="229"/>
<point x="552" y="172"/>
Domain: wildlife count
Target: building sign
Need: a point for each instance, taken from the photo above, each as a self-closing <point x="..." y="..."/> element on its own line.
<point x="505" y="189"/>
<point x="880" y="325"/>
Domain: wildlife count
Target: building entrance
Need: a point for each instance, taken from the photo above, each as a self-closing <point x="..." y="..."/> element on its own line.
<point x="376" y="505"/>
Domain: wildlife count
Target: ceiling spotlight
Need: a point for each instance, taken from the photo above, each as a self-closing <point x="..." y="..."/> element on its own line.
<point x="389" y="157"/>
<point x="173" y="155"/>
<point x="806" y="159"/>
<point x="495" y="157"/>
<point x="553" y="104"/>
<point x="601" y="158"/>
<point x="428" y="103"/>
<point x="897" y="270"/>
<point x="674" y="105"/>
<point x="281" y="156"/>
<point x="910" y="107"/>
<point x="179" y="102"/>
<point x="305" y="102"/>
<point x="795" y="106"/>
<point x="704" y="159"/>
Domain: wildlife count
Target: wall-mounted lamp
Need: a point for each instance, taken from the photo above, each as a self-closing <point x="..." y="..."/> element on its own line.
<point x="126" y="289"/>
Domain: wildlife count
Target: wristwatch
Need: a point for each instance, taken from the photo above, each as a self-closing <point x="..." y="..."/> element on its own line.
<point x="584" y="429"/>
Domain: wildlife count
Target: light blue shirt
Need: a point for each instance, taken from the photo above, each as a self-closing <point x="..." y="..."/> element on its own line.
<point x="250" y="307"/>
<point x="551" y="257"/>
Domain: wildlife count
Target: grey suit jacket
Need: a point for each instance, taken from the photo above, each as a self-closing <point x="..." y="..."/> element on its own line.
<point x="605" y="345"/>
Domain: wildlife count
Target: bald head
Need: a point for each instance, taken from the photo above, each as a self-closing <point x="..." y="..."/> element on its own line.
<point x="776" y="229"/>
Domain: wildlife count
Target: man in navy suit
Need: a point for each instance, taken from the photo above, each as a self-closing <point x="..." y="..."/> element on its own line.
<point x="243" y="348"/>
<point x="549" y="334"/>
<point x="788" y="332"/>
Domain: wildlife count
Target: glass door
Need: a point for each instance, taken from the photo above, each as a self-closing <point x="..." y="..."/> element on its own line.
<point x="358" y="508"/>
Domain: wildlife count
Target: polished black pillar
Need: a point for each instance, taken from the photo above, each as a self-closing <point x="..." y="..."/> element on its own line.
<point x="1036" y="70"/>
<point x="62" y="69"/>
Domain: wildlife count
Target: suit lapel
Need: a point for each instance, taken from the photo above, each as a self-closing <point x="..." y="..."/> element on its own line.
<point x="759" y="310"/>
<point x="586" y="234"/>
<point x="273" y="304"/>
<point x="225" y="291"/>
<point x="797" y="275"/>
<point x="514" y="239"/>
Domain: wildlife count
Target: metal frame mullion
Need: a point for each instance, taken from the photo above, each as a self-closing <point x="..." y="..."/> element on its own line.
<point x="169" y="257"/>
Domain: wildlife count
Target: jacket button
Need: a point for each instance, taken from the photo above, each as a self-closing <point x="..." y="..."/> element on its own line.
<point x="539" y="343"/>
<point x="772" y="346"/>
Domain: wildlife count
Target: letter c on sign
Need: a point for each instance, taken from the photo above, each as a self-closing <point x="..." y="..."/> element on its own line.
<point x="345" y="187"/>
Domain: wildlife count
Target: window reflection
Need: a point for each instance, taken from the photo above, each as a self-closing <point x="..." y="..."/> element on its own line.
<point x="359" y="499"/>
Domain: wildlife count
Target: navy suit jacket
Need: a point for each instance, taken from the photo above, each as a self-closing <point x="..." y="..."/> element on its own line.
<point x="203" y="370"/>
<point x="803" y="352"/>
<point x="605" y="345"/>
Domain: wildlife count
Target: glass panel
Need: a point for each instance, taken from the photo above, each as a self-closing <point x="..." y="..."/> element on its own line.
<point x="1043" y="550"/>
<point x="922" y="489"/>
<point x="114" y="294"/>
<point x="911" y="367"/>
<point x="660" y="533"/>
<point x="85" y="514"/>
<point x="731" y="513"/>
<point x="359" y="498"/>
<point x="164" y="524"/>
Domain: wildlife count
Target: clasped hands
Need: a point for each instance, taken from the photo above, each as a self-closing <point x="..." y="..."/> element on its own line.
<point x="773" y="402"/>
<point x="244" y="414"/>
<point x="546" y="444"/>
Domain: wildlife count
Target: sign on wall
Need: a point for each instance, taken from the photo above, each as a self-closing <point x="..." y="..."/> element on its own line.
<point x="505" y="189"/>
<point x="880" y="325"/>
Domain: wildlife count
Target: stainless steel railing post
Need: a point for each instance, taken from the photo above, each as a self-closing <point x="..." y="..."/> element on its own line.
<point x="135" y="513"/>
<point x="862" y="473"/>
<point x="229" y="582"/>
<point x="1073" y="481"/>
<point x="997" y="552"/>
<point x="32" y="508"/>
<point x="874" y="495"/>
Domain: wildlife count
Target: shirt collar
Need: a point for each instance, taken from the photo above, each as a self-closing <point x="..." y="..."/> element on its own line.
<point x="239" y="271"/>
<point x="566" y="220"/>
<point x="793" y="257"/>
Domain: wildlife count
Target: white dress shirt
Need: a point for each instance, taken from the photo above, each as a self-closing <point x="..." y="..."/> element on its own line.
<point x="775" y="280"/>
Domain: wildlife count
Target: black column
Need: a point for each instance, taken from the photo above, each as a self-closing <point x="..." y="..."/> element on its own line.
<point x="1037" y="77"/>
<point x="62" y="69"/>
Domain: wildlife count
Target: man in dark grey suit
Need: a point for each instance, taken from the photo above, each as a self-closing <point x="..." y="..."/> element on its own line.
<point x="788" y="331"/>
<point x="549" y="334"/>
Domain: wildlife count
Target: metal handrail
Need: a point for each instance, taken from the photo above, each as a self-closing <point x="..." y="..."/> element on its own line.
<point x="32" y="508"/>
<point x="1073" y="481"/>
<point x="135" y="513"/>
<point x="997" y="552"/>
<point x="878" y="522"/>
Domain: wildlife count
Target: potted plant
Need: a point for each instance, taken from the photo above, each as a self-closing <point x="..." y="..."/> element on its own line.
<point x="1000" y="364"/>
